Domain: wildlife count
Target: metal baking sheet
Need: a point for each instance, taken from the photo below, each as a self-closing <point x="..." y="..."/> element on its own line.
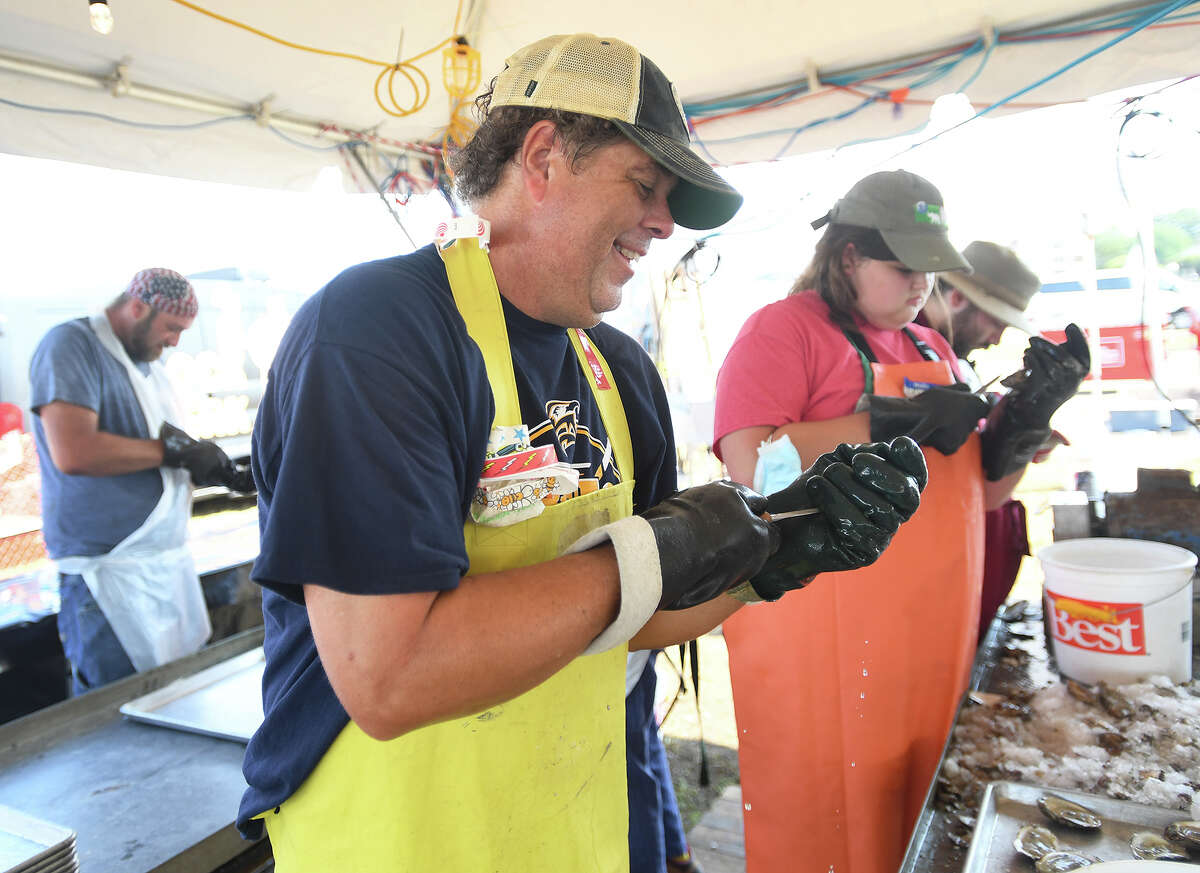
<point x="28" y="843"/>
<point x="223" y="701"/>
<point x="1006" y="806"/>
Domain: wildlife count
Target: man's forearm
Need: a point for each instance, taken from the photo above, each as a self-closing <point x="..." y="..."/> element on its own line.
<point x="996" y="494"/>
<point x="668" y="627"/>
<point x="106" y="454"/>
<point x="398" y="662"/>
<point x="79" y="448"/>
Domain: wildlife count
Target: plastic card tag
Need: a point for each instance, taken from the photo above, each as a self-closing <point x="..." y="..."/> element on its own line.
<point x="452" y="229"/>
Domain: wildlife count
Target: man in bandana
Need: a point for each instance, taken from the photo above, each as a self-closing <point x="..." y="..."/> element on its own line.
<point x="117" y="474"/>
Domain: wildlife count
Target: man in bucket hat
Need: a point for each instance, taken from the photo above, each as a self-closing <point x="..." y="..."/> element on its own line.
<point x="972" y="310"/>
<point x="117" y="477"/>
<point x="450" y="452"/>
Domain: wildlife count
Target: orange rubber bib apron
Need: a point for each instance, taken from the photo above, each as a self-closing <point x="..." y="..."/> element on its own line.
<point x="845" y="691"/>
<point x="537" y="783"/>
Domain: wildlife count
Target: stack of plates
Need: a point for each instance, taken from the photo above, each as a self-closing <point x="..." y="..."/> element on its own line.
<point x="30" y="845"/>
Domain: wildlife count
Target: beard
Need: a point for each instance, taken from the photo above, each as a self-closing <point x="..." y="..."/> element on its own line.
<point x="968" y="336"/>
<point x="139" y="347"/>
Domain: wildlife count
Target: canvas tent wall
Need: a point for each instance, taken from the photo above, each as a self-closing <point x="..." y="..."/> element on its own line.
<point x="62" y="85"/>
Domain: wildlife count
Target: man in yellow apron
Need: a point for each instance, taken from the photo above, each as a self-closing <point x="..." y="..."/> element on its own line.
<point x="446" y="646"/>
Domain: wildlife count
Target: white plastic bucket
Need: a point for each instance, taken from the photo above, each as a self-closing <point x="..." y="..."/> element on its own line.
<point x="1119" y="610"/>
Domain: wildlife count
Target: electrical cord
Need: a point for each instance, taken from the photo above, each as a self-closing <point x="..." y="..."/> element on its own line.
<point x="406" y="68"/>
<point x="924" y="70"/>
<point x="1146" y="245"/>
<point x="1140" y="25"/>
<point x="147" y="125"/>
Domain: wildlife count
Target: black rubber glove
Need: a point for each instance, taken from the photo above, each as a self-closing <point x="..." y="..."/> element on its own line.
<point x="709" y="538"/>
<point x="240" y="479"/>
<point x="204" y="460"/>
<point x="940" y="417"/>
<point x="1020" y="422"/>
<point x="864" y="493"/>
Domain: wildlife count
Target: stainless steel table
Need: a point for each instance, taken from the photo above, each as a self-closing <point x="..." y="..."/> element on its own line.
<point x="140" y="797"/>
<point x="939" y="840"/>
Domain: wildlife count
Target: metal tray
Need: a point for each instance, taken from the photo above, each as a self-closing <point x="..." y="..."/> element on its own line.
<point x="28" y="843"/>
<point x="1008" y="805"/>
<point x="223" y="701"/>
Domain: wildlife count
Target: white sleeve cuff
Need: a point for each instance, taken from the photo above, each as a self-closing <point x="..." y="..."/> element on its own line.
<point x="641" y="577"/>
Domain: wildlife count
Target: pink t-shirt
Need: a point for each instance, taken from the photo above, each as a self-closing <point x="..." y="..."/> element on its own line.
<point x="791" y="363"/>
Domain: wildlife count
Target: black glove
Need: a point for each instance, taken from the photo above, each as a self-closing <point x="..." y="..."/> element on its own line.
<point x="709" y="538"/>
<point x="241" y="479"/>
<point x="941" y="417"/>
<point x="864" y="493"/>
<point x="1020" y="422"/>
<point x="204" y="460"/>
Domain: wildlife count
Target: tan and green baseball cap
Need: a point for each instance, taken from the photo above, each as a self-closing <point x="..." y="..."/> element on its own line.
<point x="909" y="214"/>
<point x="608" y="78"/>
<point x="1000" y="284"/>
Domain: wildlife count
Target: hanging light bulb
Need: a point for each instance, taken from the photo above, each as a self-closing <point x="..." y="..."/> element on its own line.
<point x="950" y="110"/>
<point x="102" y="20"/>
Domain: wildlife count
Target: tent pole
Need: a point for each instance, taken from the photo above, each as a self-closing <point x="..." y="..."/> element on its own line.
<point x="120" y="86"/>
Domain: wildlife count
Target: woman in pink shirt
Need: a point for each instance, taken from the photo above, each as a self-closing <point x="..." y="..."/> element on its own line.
<point x="845" y="692"/>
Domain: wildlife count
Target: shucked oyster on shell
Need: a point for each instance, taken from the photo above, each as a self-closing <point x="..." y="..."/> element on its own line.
<point x="1067" y="812"/>
<point x="1186" y="833"/>
<point x="1035" y="841"/>
<point x="1060" y="862"/>
<point x="1149" y="846"/>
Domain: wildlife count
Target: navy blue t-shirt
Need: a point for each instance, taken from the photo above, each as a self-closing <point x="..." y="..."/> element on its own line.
<point x="367" y="449"/>
<point x="88" y="515"/>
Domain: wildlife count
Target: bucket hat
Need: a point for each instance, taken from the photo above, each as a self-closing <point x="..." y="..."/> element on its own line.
<point x="999" y="283"/>
<point x="909" y="214"/>
<point x="609" y="78"/>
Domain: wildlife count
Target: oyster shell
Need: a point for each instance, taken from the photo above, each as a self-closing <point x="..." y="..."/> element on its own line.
<point x="1149" y="846"/>
<point x="1114" y="702"/>
<point x="1186" y="833"/>
<point x="1081" y="692"/>
<point x="1035" y="841"/>
<point x="1067" y="812"/>
<point x="1014" y="611"/>
<point x="1059" y="862"/>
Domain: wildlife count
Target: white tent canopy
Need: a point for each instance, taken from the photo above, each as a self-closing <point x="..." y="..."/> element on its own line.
<point x="711" y="50"/>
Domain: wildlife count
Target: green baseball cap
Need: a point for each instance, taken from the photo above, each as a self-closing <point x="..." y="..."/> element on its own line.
<point x="909" y="214"/>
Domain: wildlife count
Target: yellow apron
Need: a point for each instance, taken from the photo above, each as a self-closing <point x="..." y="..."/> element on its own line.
<point x="537" y="783"/>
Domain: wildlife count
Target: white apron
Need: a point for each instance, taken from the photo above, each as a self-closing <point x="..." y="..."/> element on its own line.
<point x="147" y="585"/>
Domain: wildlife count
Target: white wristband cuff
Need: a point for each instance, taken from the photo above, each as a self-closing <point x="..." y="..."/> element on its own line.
<point x="641" y="577"/>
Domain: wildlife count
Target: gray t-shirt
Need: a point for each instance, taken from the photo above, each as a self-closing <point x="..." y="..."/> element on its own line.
<point x="88" y="515"/>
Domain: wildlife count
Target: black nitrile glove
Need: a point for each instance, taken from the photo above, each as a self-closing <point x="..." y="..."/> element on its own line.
<point x="709" y="538"/>
<point x="1020" y="422"/>
<point x="942" y="416"/>
<point x="864" y="493"/>
<point x="204" y="460"/>
<point x="240" y="479"/>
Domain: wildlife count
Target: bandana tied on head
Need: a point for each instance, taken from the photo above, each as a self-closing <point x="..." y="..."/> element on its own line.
<point x="164" y="290"/>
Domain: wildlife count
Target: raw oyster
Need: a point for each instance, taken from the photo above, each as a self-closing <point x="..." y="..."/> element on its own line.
<point x="1035" y="841"/>
<point x="1186" y="833"/>
<point x="1060" y="862"/>
<point x="1068" y="812"/>
<point x="1149" y="846"/>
